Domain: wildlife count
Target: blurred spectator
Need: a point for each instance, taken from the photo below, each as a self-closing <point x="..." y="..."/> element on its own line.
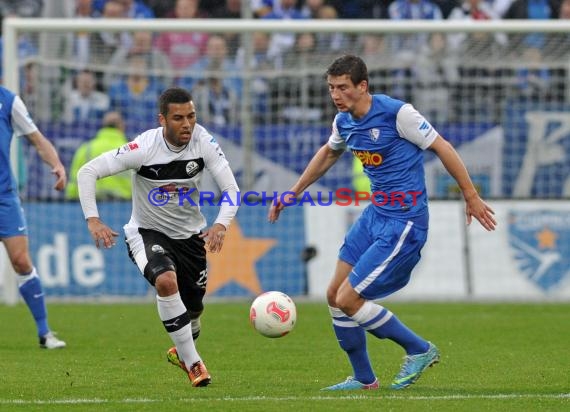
<point x="84" y="102"/>
<point x="557" y="46"/>
<point x="215" y="63"/>
<point x="475" y="44"/>
<point x="260" y="59"/>
<point x="480" y="88"/>
<point x="133" y="9"/>
<point x="446" y="6"/>
<point x="230" y="10"/>
<point x="30" y="85"/>
<point x="533" y="81"/>
<point x="564" y="12"/>
<point x="21" y="8"/>
<point x="137" y="9"/>
<point x="261" y="65"/>
<point x="414" y="10"/>
<point x="161" y="8"/>
<point x="332" y="43"/>
<point x="134" y="96"/>
<point x="282" y="42"/>
<point x="104" y="44"/>
<point x="183" y="49"/>
<point x="435" y="72"/>
<point x="500" y="6"/>
<point x="111" y="136"/>
<point x="361" y="9"/>
<point x="157" y="62"/>
<point x="531" y="9"/>
<point x="81" y="41"/>
<point x="405" y="47"/>
<point x="261" y="8"/>
<point x="301" y="96"/>
<point x="373" y="49"/>
<point x="27" y="51"/>
<point x="209" y="6"/>
<point x="219" y="104"/>
<point x="310" y="8"/>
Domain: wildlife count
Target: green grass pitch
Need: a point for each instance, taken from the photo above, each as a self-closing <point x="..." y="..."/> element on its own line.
<point x="495" y="357"/>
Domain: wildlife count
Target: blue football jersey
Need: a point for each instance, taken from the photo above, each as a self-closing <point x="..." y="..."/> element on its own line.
<point x="7" y="180"/>
<point x="14" y="121"/>
<point x="389" y="141"/>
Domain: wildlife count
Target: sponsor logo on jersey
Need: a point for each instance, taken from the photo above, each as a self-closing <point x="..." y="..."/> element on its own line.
<point x="424" y="127"/>
<point x="368" y="158"/>
<point x="127" y="148"/>
<point x="192" y="168"/>
<point x="374" y="134"/>
<point x="169" y="188"/>
<point x="540" y="242"/>
<point x="157" y="249"/>
<point x="162" y="194"/>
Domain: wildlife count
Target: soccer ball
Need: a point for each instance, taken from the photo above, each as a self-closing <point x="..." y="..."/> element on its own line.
<point x="273" y="314"/>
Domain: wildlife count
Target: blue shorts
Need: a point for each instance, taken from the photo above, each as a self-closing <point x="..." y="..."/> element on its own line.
<point x="12" y="219"/>
<point x="383" y="251"/>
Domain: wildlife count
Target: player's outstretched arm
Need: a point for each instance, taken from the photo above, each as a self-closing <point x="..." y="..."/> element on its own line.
<point x="49" y="155"/>
<point x="474" y="205"/>
<point x="322" y="161"/>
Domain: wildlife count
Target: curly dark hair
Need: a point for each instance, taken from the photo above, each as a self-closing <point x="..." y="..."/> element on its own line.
<point x="173" y="95"/>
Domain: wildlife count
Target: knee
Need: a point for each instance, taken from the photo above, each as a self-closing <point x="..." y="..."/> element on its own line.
<point x="166" y="284"/>
<point x="343" y="305"/>
<point x="331" y="297"/>
<point x="348" y="300"/>
<point x="21" y="262"/>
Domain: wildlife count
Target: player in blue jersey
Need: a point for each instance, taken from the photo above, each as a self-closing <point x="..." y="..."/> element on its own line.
<point x="16" y="121"/>
<point x="384" y="244"/>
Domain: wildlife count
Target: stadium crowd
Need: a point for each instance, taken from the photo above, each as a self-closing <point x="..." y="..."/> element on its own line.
<point x="430" y="70"/>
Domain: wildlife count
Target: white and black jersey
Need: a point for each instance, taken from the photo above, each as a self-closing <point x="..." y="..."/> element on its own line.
<point x="166" y="181"/>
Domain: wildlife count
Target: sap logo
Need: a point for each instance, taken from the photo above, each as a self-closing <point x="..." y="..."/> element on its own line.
<point x="87" y="263"/>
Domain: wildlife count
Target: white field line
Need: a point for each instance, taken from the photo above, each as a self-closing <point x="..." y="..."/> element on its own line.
<point x="283" y="398"/>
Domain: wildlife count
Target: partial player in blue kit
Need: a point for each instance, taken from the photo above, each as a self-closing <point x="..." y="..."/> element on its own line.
<point x="383" y="246"/>
<point x="16" y="121"/>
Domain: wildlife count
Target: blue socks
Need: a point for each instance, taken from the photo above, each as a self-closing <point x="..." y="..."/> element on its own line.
<point x="383" y="324"/>
<point x="31" y="290"/>
<point x="380" y="322"/>
<point x="352" y="339"/>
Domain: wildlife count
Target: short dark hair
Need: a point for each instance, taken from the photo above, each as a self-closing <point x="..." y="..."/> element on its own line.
<point x="173" y="95"/>
<point x="349" y="64"/>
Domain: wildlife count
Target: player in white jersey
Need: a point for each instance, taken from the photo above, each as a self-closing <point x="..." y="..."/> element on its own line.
<point x="166" y="234"/>
<point x="16" y="121"/>
<point x="383" y="246"/>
